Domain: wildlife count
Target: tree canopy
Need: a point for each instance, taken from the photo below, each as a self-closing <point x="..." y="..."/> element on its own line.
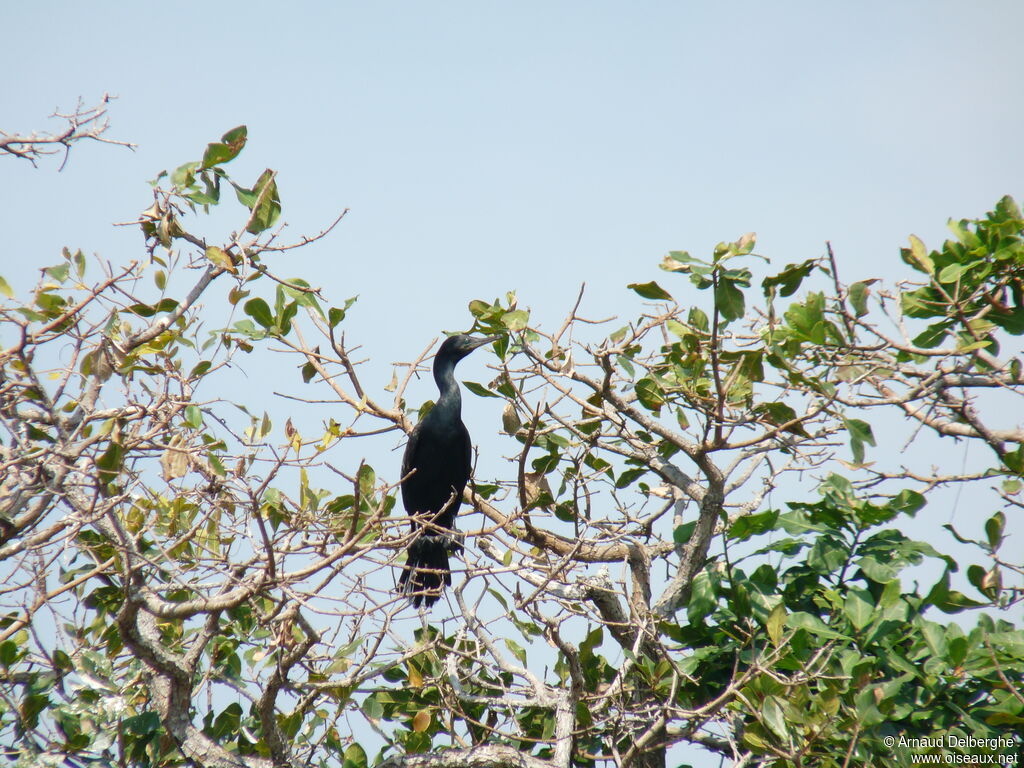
<point x="699" y="539"/>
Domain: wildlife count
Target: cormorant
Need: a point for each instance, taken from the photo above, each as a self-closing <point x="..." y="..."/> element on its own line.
<point x="436" y="468"/>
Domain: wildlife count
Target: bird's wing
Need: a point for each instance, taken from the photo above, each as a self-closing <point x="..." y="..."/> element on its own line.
<point x="468" y="453"/>
<point x="409" y="458"/>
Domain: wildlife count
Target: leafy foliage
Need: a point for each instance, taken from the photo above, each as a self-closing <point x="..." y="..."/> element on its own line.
<point x="701" y="538"/>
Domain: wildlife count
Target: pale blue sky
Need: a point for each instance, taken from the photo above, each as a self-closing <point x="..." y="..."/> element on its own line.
<point x="483" y="147"/>
<point x="486" y="147"/>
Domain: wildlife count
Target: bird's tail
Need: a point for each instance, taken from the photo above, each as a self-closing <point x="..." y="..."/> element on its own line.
<point x="426" y="573"/>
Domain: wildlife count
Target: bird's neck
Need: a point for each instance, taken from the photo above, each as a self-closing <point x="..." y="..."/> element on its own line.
<point x="450" y="398"/>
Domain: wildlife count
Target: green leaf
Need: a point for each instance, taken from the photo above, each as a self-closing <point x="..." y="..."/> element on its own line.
<point x="9" y="653"/>
<point x="515" y="320"/>
<point x="650" y="395"/>
<point x="814" y="625"/>
<point x="200" y="368"/>
<point x="184" y="175"/>
<point x="5" y="289"/>
<point x="934" y="637"/>
<point x="908" y="502"/>
<point x="976" y="575"/>
<point x="626" y="365"/>
<point x="860" y="433"/>
<point x="1007" y="210"/>
<point x="227" y="149"/>
<point x="776" y="621"/>
<point x="807" y="320"/>
<point x="220" y="257"/>
<point x="336" y="314"/>
<point x="948" y="600"/>
<point x="754" y="524"/>
<point x="933" y="335"/>
<point x="681" y="534"/>
<point x="859" y="293"/>
<point x="284" y="320"/>
<point x="216" y="464"/>
<point x="702" y="598"/>
<point x="209" y="196"/>
<point x="772" y="711"/>
<point x="917" y="256"/>
<point x="52" y="304"/>
<point x="994" y="527"/>
<point x="109" y="463"/>
<point x="628" y="477"/>
<point x="62" y="661"/>
<point x="79" y="259"/>
<point x="953" y="272"/>
<point x="366" y="477"/>
<point x="1014" y="460"/>
<point x="789" y="279"/>
<point x="698" y="319"/>
<point x="479" y="389"/>
<point x="729" y="300"/>
<point x="777" y="414"/>
<point x="30" y="707"/>
<point x="142" y="725"/>
<point x="517" y="650"/>
<point x="679" y="261"/>
<point x="651" y="290"/>
<point x="922" y="303"/>
<point x="876" y="570"/>
<point x="828" y="554"/>
<point x="259" y="311"/>
<point x="616" y="337"/>
<point x="355" y="755"/>
<point x="193" y="416"/>
<point x="859" y="607"/>
<point x="867" y="709"/>
<point x="591" y="642"/>
<point x="266" y="204"/>
<point x="59" y="272"/>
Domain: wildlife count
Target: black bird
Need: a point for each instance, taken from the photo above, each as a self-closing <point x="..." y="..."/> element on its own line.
<point x="436" y="468"/>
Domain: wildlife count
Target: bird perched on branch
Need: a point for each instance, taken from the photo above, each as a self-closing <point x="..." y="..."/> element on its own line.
<point x="436" y="468"/>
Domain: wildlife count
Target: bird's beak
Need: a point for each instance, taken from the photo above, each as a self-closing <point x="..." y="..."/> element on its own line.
<point x="485" y="340"/>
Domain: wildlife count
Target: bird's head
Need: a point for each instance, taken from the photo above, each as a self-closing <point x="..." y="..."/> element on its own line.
<point x="461" y="344"/>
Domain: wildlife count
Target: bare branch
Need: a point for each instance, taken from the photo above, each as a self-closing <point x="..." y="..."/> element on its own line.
<point x="85" y="123"/>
